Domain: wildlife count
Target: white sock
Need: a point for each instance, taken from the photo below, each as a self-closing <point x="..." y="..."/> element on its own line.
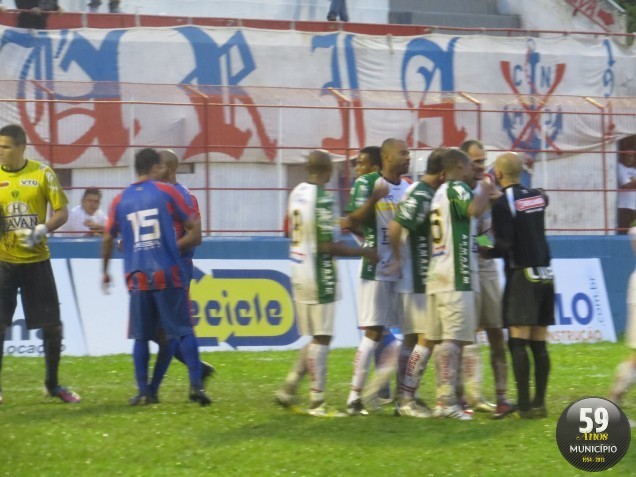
<point x="403" y="361"/>
<point x="473" y="373"/>
<point x="414" y="371"/>
<point x="364" y="356"/>
<point x="317" y="363"/>
<point x="449" y="354"/>
<point x="385" y="368"/>
<point x="298" y="371"/>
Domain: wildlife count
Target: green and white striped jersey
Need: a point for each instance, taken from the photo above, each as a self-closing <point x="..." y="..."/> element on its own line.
<point x="413" y="214"/>
<point x="450" y="266"/>
<point x="311" y="221"/>
<point x="375" y="231"/>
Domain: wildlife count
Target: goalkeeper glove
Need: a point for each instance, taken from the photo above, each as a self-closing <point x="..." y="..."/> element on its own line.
<point x="35" y="236"/>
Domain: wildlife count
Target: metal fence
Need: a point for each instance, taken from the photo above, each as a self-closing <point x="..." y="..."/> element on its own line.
<point x="243" y="148"/>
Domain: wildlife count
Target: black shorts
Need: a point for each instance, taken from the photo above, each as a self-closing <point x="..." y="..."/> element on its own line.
<point x="37" y="290"/>
<point x="529" y="297"/>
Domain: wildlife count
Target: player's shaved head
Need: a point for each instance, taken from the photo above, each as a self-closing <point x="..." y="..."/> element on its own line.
<point x="318" y="161"/>
<point x="509" y="165"/>
<point x="434" y="165"/>
<point x="169" y="158"/>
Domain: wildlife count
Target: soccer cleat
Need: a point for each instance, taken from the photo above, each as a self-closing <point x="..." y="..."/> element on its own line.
<point x="503" y="409"/>
<point x="355" y="408"/>
<point x="484" y="406"/>
<point x="207" y="371"/>
<point x="411" y="409"/>
<point x="200" y="396"/>
<point x="65" y="394"/>
<point x="465" y="407"/>
<point x="323" y="411"/>
<point x="540" y="412"/>
<point x="1" y="398"/>
<point x="284" y="399"/>
<point x="143" y="400"/>
<point x="525" y="414"/>
<point x="454" y="412"/>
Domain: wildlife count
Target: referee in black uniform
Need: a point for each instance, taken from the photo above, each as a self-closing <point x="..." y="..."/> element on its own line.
<point x="518" y="221"/>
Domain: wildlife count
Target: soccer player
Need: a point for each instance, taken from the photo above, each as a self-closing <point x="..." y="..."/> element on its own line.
<point x="488" y="309"/>
<point x="28" y="187"/>
<point x="144" y="214"/>
<point x="518" y="220"/>
<point x="312" y="248"/>
<point x="626" y="372"/>
<point x="168" y="173"/>
<point x="409" y="235"/>
<point x="450" y="299"/>
<point x="373" y="204"/>
<point x="370" y="160"/>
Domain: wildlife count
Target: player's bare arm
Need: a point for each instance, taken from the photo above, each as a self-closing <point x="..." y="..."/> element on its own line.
<point x="341" y="249"/>
<point x="192" y="236"/>
<point x="107" y="252"/>
<point x="481" y="201"/>
<point x="57" y="219"/>
<point x="365" y="212"/>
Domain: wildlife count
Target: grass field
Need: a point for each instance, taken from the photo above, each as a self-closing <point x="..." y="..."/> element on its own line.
<point x="243" y="433"/>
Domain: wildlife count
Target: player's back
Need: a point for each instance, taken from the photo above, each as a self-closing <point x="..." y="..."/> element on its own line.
<point x="144" y="214"/>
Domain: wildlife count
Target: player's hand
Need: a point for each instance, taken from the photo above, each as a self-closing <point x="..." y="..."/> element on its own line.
<point x="106" y="284"/>
<point x="34" y="236"/>
<point x="393" y="268"/>
<point x="371" y="254"/>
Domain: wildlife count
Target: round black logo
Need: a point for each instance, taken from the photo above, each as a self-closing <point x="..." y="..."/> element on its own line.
<point x="593" y="434"/>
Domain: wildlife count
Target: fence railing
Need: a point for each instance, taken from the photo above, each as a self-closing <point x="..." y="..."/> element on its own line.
<point x="243" y="149"/>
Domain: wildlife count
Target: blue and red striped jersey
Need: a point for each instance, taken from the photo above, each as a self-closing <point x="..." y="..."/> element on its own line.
<point x="144" y="215"/>
<point x="192" y="202"/>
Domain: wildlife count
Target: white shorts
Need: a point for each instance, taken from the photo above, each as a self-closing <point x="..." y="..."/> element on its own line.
<point x="412" y="313"/>
<point x="451" y="316"/>
<point x="316" y="319"/>
<point x="377" y="304"/>
<point x="488" y="304"/>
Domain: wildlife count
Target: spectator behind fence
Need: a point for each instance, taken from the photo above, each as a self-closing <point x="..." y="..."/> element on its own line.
<point x="86" y="219"/>
<point x="36" y="16"/>
<point x="113" y="6"/>
<point x="338" y="8"/>
<point x="626" y="202"/>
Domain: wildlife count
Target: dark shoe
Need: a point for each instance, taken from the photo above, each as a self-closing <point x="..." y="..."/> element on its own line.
<point x="143" y="400"/>
<point x="503" y="409"/>
<point x="200" y="396"/>
<point x="207" y="371"/>
<point x="65" y="394"/>
<point x="525" y="414"/>
<point x="331" y="18"/>
<point x="540" y="412"/>
<point x="355" y="408"/>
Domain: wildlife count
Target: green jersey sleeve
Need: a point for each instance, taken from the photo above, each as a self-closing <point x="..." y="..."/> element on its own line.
<point x="459" y="196"/>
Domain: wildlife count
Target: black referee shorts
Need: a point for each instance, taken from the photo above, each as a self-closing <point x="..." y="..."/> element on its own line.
<point x="38" y="293"/>
<point x="529" y="297"/>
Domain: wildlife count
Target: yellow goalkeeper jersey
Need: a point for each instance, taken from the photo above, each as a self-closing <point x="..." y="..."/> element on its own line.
<point x="24" y="198"/>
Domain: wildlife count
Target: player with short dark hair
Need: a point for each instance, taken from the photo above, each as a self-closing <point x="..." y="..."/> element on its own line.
<point x="409" y="236"/>
<point x="518" y="219"/>
<point x="369" y="160"/>
<point x="144" y="215"/>
<point x="449" y="286"/>
<point x="29" y="187"/>
<point x="372" y="204"/>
